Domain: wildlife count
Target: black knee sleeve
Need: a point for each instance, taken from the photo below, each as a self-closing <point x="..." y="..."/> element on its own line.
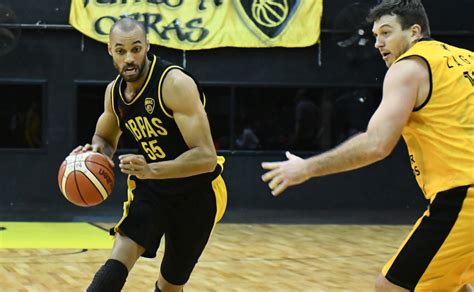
<point x="109" y="278"/>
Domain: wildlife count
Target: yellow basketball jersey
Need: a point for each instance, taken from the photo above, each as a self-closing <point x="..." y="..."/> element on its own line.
<point x="440" y="132"/>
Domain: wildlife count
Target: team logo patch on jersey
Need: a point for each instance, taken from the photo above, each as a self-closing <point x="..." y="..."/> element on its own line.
<point x="149" y="105"/>
<point x="267" y="18"/>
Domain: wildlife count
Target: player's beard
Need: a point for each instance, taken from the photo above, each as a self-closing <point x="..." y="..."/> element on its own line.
<point x="138" y="68"/>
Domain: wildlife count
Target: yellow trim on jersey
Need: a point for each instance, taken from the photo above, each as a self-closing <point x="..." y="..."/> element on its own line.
<point x="162" y="77"/>
<point x="112" y="97"/>
<point x="150" y="73"/>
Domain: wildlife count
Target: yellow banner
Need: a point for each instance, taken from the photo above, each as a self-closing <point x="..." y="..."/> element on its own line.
<point x="205" y="24"/>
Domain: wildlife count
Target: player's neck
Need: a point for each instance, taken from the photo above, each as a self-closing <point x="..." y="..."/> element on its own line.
<point x="134" y="87"/>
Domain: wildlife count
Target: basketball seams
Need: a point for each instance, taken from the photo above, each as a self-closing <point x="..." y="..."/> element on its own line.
<point x="93" y="177"/>
<point x="101" y="190"/>
<point x="105" y="167"/>
<point x="77" y="185"/>
<point x="97" y="183"/>
<point x="91" y="173"/>
<point x="69" y="167"/>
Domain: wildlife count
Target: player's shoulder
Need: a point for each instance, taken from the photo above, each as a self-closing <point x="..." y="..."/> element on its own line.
<point x="176" y="78"/>
<point x="407" y="71"/>
<point x="110" y="85"/>
<point x="411" y="65"/>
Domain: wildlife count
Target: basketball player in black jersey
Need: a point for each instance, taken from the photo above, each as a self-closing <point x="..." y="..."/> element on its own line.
<point x="174" y="184"/>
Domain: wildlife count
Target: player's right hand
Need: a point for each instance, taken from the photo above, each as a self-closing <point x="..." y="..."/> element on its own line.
<point x="91" y="147"/>
<point x="88" y="147"/>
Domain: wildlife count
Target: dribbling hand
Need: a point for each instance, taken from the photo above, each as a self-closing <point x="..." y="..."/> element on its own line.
<point x="88" y="147"/>
<point x="91" y="147"/>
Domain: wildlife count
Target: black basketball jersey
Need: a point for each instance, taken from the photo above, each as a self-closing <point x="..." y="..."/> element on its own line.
<point x="147" y="120"/>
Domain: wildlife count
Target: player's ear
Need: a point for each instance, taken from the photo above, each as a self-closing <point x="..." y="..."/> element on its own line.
<point x="147" y="45"/>
<point x="416" y="32"/>
<point x="109" y="49"/>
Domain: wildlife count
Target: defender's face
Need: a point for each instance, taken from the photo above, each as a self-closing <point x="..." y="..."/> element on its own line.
<point x="390" y="39"/>
<point x="128" y="51"/>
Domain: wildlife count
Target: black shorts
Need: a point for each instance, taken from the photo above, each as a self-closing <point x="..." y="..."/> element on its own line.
<point x="186" y="220"/>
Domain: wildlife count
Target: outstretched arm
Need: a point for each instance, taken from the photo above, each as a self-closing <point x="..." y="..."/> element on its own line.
<point x="400" y="92"/>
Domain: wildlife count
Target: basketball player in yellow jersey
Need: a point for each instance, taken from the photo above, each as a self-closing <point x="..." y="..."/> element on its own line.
<point x="428" y="97"/>
<point x="174" y="185"/>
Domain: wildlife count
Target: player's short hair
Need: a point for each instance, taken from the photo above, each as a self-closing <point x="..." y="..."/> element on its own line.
<point x="409" y="12"/>
<point x="127" y="24"/>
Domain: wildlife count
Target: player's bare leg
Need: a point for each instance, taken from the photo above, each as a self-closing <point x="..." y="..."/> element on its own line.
<point x="466" y="288"/>
<point x="165" y="286"/>
<point x="383" y="285"/>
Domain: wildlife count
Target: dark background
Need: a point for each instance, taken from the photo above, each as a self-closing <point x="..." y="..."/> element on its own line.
<point x="55" y="77"/>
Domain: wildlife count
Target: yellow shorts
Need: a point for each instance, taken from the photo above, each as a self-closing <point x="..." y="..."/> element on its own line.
<point x="438" y="255"/>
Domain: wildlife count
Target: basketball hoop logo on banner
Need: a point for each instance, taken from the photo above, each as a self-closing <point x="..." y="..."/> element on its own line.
<point x="266" y="18"/>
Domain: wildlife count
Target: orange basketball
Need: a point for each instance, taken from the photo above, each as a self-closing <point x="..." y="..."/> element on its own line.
<point x="86" y="179"/>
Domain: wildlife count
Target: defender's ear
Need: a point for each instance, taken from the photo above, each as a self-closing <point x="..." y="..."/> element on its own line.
<point x="416" y="32"/>
<point x="109" y="49"/>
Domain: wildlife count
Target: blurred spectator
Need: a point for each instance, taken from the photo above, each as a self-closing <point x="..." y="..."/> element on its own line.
<point x="33" y="126"/>
<point x="17" y="127"/>
<point x="247" y="139"/>
<point x="351" y="114"/>
<point x="307" y="123"/>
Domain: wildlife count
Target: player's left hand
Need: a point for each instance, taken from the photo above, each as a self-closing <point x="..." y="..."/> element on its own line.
<point x="134" y="165"/>
<point x="283" y="174"/>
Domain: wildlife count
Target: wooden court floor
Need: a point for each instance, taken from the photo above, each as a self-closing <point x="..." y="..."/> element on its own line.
<point x="239" y="257"/>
